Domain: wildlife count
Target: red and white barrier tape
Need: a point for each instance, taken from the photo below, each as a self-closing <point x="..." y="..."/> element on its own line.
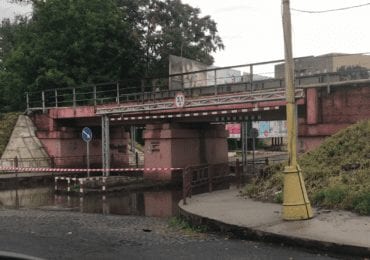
<point x="19" y="169"/>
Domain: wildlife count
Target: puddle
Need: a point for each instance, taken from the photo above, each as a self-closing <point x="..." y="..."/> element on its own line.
<point x="161" y="203"/>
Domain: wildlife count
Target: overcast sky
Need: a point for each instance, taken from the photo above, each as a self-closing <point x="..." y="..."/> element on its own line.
<point x="252" y="29"/>
<point x="8" y="10"/>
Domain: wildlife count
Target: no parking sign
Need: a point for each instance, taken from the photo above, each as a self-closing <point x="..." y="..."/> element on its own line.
<point x="180" y="100"/>
<point x="86" y="134"/>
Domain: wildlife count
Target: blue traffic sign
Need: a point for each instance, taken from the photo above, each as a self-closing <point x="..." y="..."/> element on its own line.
<point x="86" y="134"/>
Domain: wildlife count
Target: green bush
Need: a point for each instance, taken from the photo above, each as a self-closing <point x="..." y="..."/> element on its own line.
<point x="335" y="196"/>
<point x="331" y="197"/>
<point x="318" y="198"/>
<point x="279" y="196"/>
<point x="361" y="203"/>
<point x="363" y="207"/>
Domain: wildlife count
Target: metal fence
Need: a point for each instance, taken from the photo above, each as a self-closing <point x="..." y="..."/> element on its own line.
<point x="214" y="81"/>
<point x="207" y="175"/>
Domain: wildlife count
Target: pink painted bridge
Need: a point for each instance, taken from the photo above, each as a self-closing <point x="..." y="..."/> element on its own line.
<point x="190" y="131"/>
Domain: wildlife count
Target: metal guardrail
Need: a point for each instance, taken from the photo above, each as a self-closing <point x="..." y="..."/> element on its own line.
<point x="207" y="175"/>
<point x="209" y="82"/>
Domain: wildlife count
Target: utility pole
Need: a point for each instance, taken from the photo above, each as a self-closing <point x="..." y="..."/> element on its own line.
<point x="296" y="205"/>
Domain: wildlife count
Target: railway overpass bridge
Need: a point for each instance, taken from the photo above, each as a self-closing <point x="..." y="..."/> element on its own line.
<point x="185" y="125"/>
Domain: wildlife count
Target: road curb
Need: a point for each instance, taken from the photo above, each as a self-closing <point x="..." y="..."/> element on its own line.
<point x="251" y="233"/>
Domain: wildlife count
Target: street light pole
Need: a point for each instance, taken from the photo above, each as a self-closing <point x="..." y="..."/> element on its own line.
<point x="296" y="205"/>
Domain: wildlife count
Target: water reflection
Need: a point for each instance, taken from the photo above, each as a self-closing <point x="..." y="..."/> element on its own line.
<point x="20" y="198"/>
<point x="161" y="203"/>
<point x="149" y="203"/>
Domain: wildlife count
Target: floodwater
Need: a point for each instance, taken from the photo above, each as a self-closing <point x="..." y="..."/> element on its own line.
<point x="162" y="203"/>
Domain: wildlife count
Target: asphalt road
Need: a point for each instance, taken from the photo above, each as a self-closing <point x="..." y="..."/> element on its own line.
<point x="73" y="235"/>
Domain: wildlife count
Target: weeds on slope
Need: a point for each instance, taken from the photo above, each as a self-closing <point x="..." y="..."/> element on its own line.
<point x="337" y="174"/>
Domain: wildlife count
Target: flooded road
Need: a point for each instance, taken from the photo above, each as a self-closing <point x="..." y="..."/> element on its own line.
<point x="161" y="203"/>
<point x="60" y="229"/>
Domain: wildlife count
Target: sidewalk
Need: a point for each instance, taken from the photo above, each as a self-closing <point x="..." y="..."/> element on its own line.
<point x="337" y="231"/>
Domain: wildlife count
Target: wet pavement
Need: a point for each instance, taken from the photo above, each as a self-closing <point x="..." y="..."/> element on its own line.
<point x="338" y="231"/>
<point x="74" y="235"/>
<point x="133" y="225"/>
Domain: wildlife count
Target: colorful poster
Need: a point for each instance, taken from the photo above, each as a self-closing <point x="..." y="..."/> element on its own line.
<point x="234" y="130"/>
<point x="268" y="129"/>
<point x="264" y="129"/>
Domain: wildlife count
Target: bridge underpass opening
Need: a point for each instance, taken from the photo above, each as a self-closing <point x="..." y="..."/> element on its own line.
<point x="136" y="146"/>
<point x="186" y="139"/>
<point x="128" y="141"/>
<point x="255" y="142"/>
<point x="178" y="145"/>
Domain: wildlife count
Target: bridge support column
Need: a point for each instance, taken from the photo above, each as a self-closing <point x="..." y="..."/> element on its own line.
<point x="307" y="143"/>
<point x="180" y="145"/>
<point x="312" y="106"/>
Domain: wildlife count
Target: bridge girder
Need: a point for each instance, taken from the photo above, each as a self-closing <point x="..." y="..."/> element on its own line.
<point x="224" y="100"/>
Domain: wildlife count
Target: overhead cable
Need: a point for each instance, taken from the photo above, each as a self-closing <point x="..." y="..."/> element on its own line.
<point x="328" y="10"/>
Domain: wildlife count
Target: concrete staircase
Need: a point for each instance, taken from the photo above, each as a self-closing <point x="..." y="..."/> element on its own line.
<point x="132" y="156"/>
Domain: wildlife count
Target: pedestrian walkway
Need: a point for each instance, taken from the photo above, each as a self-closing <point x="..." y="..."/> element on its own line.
<point x="339" y="231"/>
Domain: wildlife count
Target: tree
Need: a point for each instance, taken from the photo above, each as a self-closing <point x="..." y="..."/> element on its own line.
<point x="171" y="27"/>
<point x="11" y="82"/>
<point x="70" y="43"/>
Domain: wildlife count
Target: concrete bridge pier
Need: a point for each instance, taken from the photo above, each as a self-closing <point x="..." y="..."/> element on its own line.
<point x="327" y="112"/>
<point x="310" y="141"/>
<point x="65" y="145"/>
<point x="177" y="145"/>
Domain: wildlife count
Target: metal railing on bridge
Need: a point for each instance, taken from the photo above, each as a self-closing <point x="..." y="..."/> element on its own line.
<point x="215" y="81"/>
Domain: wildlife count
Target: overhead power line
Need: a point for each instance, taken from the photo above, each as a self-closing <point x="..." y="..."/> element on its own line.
<point x="329" y="10"/>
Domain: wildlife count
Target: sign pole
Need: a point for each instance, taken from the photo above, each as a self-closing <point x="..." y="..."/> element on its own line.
<point x="253" y="154"/>
<point x="88" y="158"/>
<point x="87" y="136"/>
<point x="254" y="135"/>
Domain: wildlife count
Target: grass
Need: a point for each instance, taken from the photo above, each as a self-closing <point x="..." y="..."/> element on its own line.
<point x="180" y="223"/>
<point x="268" y="186"/>
<point x="7" y="123"/>
<point x="328" y="183"/>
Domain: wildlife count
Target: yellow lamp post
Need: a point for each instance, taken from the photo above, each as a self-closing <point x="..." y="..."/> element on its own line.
<point x="296" y="205"/>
